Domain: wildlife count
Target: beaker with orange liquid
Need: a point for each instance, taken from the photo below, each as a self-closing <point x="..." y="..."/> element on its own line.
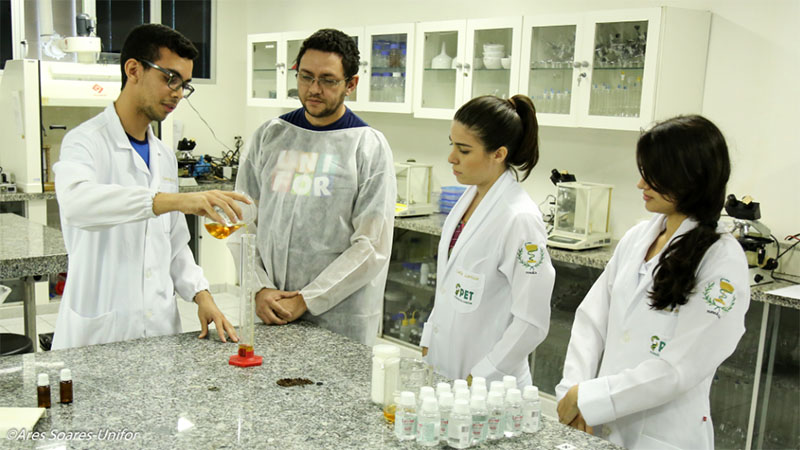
<point x="223" y="230"/>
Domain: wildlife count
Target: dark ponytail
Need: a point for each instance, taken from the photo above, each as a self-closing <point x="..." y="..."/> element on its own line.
<point x="685" y="159"/>
<point x="511" y="123"/>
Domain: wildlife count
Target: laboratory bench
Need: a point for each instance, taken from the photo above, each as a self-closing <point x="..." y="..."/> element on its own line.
<point x="51" y="195"/>
<point x="754" y="394"/>
<point x="179" y="392"/>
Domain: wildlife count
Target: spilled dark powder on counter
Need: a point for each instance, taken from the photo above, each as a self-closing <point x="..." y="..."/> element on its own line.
<point x="289" y="382"/>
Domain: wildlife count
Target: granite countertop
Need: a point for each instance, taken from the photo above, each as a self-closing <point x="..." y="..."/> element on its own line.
<point x="179" y="392"/>
<point x="24" y="197"/>
<point x="597" y="258"/>
<point x="27" y="248"/>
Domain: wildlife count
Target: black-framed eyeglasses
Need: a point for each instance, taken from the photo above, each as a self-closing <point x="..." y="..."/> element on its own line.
<point x="174" y="81"/>
<point x="325" y="83"/>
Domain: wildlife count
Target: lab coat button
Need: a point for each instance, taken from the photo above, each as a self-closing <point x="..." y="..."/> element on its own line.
<point x="626" y="337"/>
<point x="148" y="273"/>
<point x="435" y="329"/>
<point x="148" y="314"/>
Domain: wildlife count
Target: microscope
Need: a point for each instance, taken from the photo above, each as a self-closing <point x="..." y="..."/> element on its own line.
<point x="754" y="237"/>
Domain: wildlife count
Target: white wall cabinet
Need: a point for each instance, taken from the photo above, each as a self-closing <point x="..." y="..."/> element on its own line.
<point x="615" y="69"/>
<point x="485" y="60"/>
<point x="384" y="84"/>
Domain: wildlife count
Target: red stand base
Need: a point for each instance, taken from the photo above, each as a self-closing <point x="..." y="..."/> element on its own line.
<point x="245" y="361"/>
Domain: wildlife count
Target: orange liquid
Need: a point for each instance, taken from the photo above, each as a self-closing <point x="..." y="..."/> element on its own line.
<point x="388" y="413"/>
<point x="246" y="351"/>
<point x="221" y="231"/>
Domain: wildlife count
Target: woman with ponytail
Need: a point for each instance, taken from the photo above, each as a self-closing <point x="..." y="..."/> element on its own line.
<point x="494" y="276"/>
<point x="669" y="307"/>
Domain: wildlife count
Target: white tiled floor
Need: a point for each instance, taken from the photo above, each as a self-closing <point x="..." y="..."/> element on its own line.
<point x="227" y="303"/>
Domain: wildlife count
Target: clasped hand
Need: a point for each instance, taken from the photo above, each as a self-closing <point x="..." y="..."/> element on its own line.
<point x="568" y="412"/>
<point x="276" y="307"/>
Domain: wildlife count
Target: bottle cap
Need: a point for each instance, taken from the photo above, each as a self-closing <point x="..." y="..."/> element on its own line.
<point x="385" y="351"/>
<point x="44" y="380"/>
<point x="426" y="391"/>
<point x="407" y="398"/>
<point x="530" y="393"/>
<point x="509" y="381"/>
<point x="496" y="398"/>
<point x="513" y="395"/>
<point x="442" y="387"/>
<point x="477" y="403"/>
<point x="479" y="391"/>
<point x="446" y="399"/>
<point x="460" y="383"/>
<point x="461" y="407"/>
<point x="478" y="381"/>
<point x="429" y="404"/>
<point x="497" y="386"/>
<point x="66" y="375"/>
<point x="462" y="394"/>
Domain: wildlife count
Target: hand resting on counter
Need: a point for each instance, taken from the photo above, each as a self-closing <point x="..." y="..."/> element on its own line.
<point x="207" y="312"/>
<point x="276" y="307"/>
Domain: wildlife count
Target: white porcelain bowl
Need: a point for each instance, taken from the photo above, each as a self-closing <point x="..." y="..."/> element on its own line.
<point x="491" y="62"/>
<point x="494" y="47"/>
<point x="494" y="54"/>
<point x="505" y="62"/>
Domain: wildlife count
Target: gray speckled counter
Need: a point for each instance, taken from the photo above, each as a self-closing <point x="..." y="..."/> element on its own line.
<point x="27" y="248"/>
<point x="24" y="197"/>
<point x="160" y="386"/>
<point x="597" y="258"/>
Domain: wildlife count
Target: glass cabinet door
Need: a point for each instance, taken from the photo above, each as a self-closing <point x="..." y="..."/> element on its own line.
<point x="387" y="81"/>
<point x="292" y="45"/>
<point x="264" y="69"/>
<point x="618" y="68"/>
<point x="439" y="69"/>
<point x="491" y="62"/>
<point x="550" y="68"/>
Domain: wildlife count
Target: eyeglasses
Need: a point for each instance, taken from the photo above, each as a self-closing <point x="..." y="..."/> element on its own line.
<point x="325" y="83"/>
<point x="174" y="81"/>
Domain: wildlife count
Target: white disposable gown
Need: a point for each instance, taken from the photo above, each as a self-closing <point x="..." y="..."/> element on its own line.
<point x="492" y="304"/>
<point x="125" y="263"/>
<point x="646" y="374"/>
<point x="325" y="219"/>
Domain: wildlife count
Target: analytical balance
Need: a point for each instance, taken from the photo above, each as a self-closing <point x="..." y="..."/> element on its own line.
<point x="582" y="216"/>
<point x="413" y="189"/>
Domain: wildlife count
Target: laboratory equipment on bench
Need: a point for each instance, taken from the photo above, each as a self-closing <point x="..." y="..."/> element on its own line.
<point x="754" y="237"/>
<point x="248" y="288"/>
<point x="223" y="230"/>
<point x="413" y="189"/>
<point x="582" y="216"/>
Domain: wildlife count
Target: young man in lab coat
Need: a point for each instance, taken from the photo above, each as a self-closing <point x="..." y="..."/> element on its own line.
<point x="121" y="213"/>
<point x="324" y="181"/>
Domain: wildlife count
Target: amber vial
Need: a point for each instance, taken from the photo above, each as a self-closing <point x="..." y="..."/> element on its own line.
<point x="65" y="387"/>
<point x="43" y="391"/>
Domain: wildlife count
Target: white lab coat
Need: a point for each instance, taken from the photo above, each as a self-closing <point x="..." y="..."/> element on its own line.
<point x="492" y="305"/>
<point x="125" y="264"/>
<point x="646" y="374"/>
<point x="325" y="219"/>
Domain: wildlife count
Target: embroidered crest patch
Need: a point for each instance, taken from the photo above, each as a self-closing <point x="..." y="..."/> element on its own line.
<point x="719" y="296"/>
<point x="530" y="255"/>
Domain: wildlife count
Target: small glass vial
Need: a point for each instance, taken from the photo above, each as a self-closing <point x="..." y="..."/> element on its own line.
<point x="495" y="422"/>
<point x="459" y="432"/>
<point x="480" y="418"/>
<point x="405" y="418"/>
<point x="531" y="409"/>
<point x="43" y="391"/>
<point x="445" y="409"/>
<point x="65" y="386"/>
<point x="509" y="382"/>
<point x="513" y="418"/>
<point x="429" y="423"/>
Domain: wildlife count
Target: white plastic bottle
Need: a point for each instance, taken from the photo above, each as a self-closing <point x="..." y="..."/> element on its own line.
<point x="513" y="417"/>
<point x="459" y="432"/>
<point x="445" y="409"/>
<point x="480" y="418"/>
<point x="531" y="409"/>
<point x="495" y="425"/>
<point x="479" y="391"/>
<point x="442" y="387"/>
<point x="462" y="394"/>
<point x="429" y="423"/>
<point x="460" y="384"/>
<point x="405" y="418"/>
<point x="498" y="387"/>
<point x="380" y="353"/>
<point x="425" y="391"/>
<point x="477" y="382"/>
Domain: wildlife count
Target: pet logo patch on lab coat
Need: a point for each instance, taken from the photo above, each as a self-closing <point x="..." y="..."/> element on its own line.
<point x="720" y="296"/>
<point x="656" y="345"/>
<point x="530" y="255"/>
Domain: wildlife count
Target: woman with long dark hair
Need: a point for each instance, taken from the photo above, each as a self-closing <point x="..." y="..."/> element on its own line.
<point x="669" y="307"/>
<point x="494" y="279"/>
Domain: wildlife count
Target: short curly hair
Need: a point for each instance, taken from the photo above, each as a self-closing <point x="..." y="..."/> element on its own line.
<point x="333" y="41"/>
<point x="145" y="42"/>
